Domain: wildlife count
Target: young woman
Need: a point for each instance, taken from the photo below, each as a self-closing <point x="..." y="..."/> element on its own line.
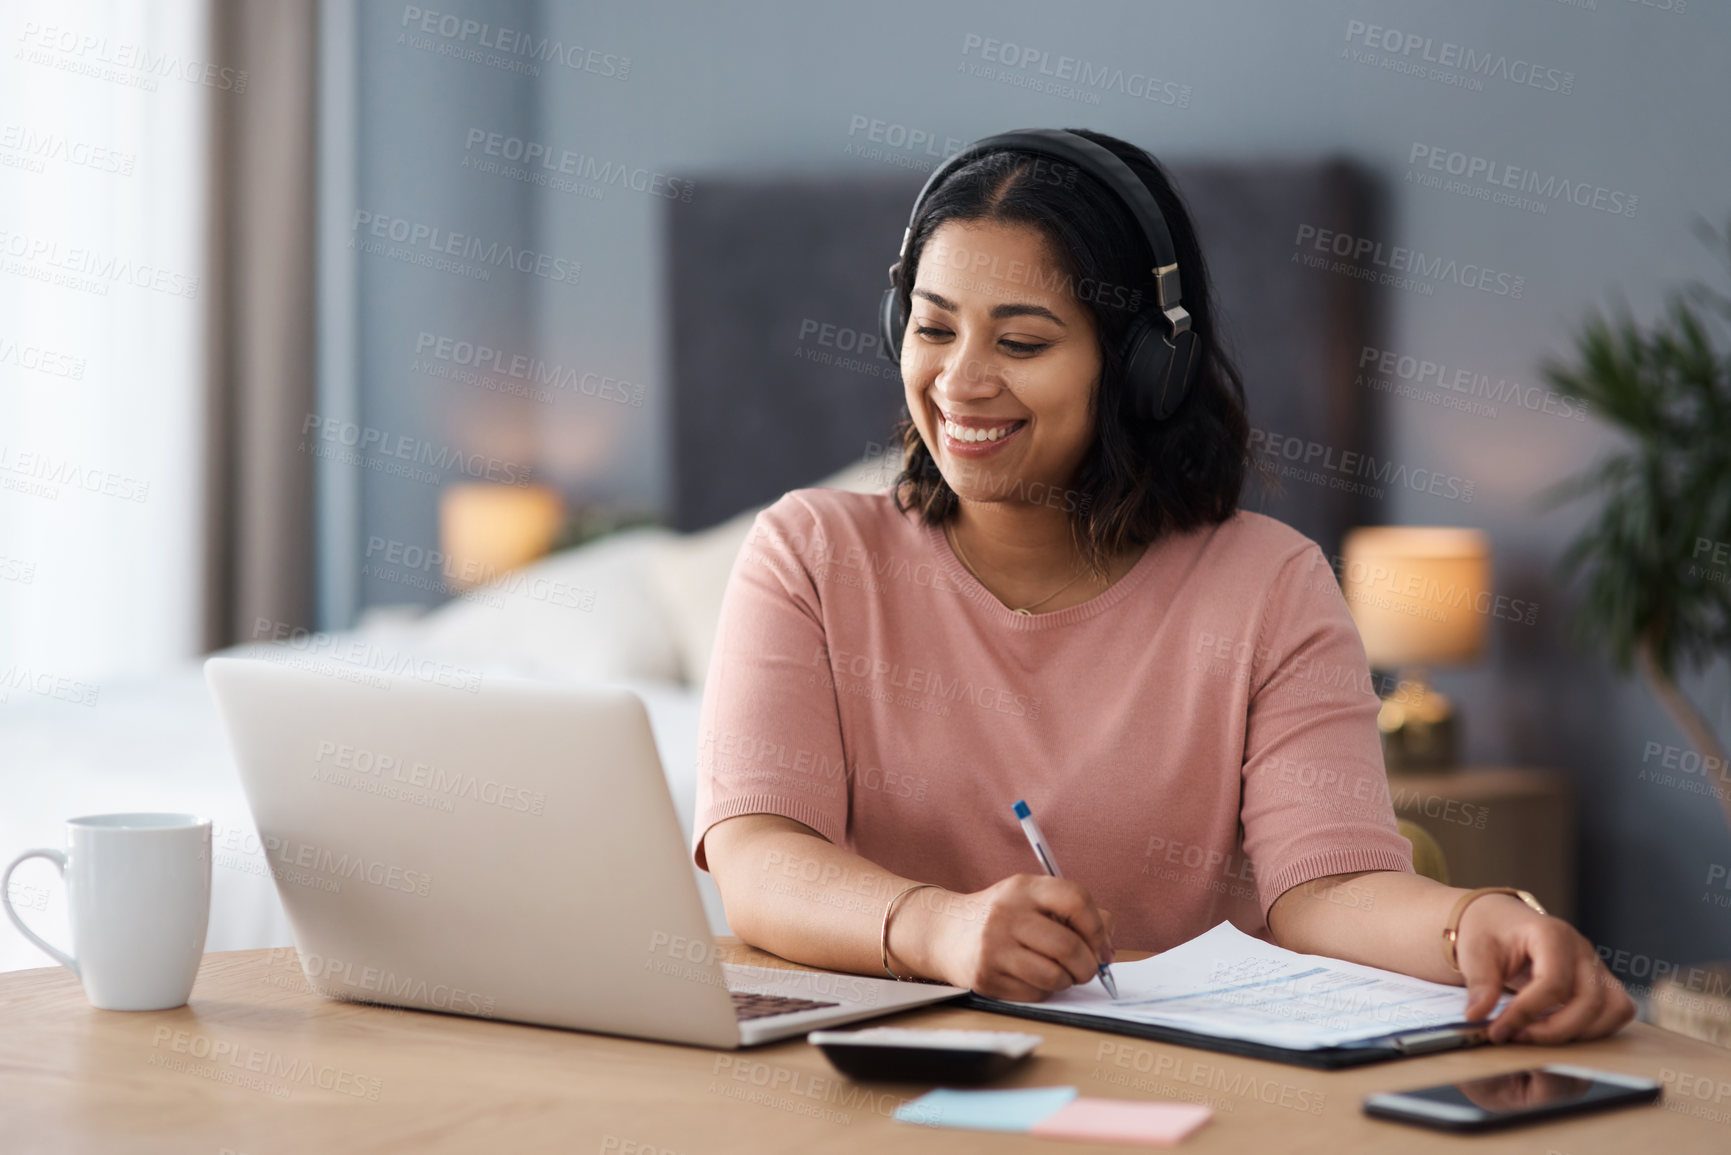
<point x="1059" y="600"/>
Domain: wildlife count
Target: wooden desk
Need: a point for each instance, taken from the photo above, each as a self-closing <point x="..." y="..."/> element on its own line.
<point x="256" y="1065"/>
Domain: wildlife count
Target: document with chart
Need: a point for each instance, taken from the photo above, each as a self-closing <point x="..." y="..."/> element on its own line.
<point x="1230" y="985"/>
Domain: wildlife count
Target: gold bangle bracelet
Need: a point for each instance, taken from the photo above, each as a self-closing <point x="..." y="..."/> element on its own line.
<point x="1451" y="929"/>
<point x="884" y="938"/>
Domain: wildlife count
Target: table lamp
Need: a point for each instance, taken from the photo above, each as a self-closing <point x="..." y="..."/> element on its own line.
<point x="1418" y="595"/>
<point x="486" y="530"/>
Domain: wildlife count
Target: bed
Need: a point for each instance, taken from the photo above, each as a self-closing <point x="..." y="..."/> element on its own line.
<point x="756" y="269"/>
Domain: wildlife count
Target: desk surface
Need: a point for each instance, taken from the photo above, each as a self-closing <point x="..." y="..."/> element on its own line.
<point x="256" y="1064"/>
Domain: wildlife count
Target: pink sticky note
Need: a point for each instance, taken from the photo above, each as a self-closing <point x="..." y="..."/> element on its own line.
<point x="1124" y="1121"/>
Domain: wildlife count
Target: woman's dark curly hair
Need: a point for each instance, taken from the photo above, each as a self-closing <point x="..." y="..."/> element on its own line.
<point x="1140" y="479"/>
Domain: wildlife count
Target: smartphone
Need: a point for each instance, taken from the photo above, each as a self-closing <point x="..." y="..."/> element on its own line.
<point x="1511" y="1098"/>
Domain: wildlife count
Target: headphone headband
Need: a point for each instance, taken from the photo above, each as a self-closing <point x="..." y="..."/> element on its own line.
<point x="1094" y="159"/>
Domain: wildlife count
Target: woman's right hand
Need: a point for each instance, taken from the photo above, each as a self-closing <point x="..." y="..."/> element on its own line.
<point x="1023" y="938"/>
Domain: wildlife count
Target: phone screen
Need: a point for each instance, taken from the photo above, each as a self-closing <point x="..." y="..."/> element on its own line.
<point x="1517" y="1092"/>
<point x="1512" y="1095"/>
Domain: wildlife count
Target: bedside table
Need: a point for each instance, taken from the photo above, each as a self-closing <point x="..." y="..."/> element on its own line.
<point x="1498" y="826"/>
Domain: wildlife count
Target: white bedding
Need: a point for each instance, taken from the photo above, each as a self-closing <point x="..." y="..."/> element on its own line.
<point x="158" y="745"/>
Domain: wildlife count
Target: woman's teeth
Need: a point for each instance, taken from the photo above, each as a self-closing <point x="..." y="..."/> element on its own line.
<point x="968" y="433"/>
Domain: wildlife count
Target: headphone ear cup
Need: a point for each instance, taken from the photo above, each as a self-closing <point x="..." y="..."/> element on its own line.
<point x="1181" y="366"/>
<point x="1157" y="368"/>
<point x="892" y="324"/>
<point x="1144" y="360"/>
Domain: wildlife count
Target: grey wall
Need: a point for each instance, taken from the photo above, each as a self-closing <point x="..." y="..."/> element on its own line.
<point x="778" y="86"/>
<point x="414" y="430"/>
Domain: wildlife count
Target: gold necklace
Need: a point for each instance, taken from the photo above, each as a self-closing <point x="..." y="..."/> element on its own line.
<point x="1026" y="611"/>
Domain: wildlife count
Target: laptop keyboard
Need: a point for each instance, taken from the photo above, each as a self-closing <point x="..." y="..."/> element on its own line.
<point x="747" y="1005"/>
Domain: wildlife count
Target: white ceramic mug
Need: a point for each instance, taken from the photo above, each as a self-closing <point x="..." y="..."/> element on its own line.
<point x="138" y="895"/>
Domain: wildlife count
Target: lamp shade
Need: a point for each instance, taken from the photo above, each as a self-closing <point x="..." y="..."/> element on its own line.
<point x="1421" y="595"/>
<point x="486" y="530"/>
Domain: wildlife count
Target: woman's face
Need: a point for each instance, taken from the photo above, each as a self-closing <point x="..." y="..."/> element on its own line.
<point x="999" y="363"/>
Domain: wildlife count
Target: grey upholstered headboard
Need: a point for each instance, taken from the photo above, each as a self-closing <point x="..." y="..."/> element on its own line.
<point x="776" y="374"/>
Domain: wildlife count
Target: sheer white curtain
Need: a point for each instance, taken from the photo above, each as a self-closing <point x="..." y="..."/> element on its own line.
<point x="104" y="111"/>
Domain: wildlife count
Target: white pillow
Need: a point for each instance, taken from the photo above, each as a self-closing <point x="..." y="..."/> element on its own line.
<point x="582" y="614"/>
<point x="689" y="572"/>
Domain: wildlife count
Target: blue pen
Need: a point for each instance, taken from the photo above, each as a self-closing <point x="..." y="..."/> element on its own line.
<point x="1044" y="854"/>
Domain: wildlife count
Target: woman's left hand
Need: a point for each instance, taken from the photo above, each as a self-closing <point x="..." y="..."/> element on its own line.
<point x="1564" y="990"/>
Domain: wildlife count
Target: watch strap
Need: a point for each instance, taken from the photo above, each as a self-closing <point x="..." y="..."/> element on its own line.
<point x="1451" y="929"/>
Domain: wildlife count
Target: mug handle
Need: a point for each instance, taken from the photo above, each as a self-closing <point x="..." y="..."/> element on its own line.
<point x="58" y="858"/>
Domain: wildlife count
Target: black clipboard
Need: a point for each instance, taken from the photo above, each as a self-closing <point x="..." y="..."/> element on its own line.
<point x="1403" y="1045"/>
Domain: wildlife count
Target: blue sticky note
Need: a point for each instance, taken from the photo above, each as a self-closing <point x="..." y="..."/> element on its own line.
<point x="1014" y="1110"/>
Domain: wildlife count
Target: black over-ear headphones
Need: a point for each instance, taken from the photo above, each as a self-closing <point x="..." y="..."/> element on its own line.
<point x="1159" y="349"/>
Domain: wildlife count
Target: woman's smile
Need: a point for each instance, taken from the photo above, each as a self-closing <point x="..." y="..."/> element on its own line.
<point x="976" y="437"/>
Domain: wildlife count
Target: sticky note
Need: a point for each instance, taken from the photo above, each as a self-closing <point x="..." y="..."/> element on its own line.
<point x="1013" y="1110"/>
<point x="1123" y="1121"/>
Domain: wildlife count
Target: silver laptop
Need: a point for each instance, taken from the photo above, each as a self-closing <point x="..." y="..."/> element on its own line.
<point x="499" y="848"/>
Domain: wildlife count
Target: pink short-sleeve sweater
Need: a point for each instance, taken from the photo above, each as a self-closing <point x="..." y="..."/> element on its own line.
<point x="1194" y="740"/>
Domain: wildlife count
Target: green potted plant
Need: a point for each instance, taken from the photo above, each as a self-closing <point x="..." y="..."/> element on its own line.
<point x="1654" y="561"/>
